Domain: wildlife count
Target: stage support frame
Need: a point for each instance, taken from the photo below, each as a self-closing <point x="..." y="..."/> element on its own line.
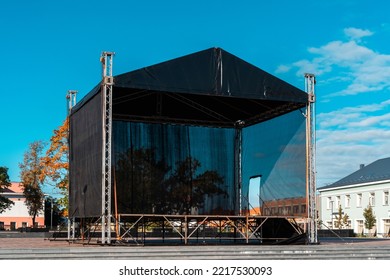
<point x="143" y="229"/>
<point x="107" y="86"/>
<point x="71" y="100"/>
<point x="310" y="159"/>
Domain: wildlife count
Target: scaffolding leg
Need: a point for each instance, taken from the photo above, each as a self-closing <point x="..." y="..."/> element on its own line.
<point x="310" y="159"/>
<point x="107" y="85"/>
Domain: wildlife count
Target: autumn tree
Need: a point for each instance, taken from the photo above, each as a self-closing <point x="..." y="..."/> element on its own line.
<point x="55" y="163"/>
<point x="369" y="217"/>
<point x="5" y="203"/>
<point x="341" y="219"/>
<point x="30" y="174"/>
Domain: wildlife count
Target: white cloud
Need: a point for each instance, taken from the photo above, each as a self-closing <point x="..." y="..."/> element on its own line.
<point x="350" y="136"/>
<point x="360" y="69"/>
<point x="283" y="69"/>
<point x="356" y="33"/>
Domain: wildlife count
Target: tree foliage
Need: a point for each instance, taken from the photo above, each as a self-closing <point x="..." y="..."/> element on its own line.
<point x="341" y="220"/>
<point x="30" y="174"/>
<point x="369" y="217"/>
<point x="5" y="203"/>
<point x="55" y="164"/>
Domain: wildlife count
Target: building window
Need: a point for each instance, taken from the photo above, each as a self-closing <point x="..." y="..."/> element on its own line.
<point x="338" y="201"/>
<point x="295" y="209"/>
<point x="360" y="226"/>
<point x="303" y="208"/>
<point x="347" y="201"/>
<point x="328" y="203"/>
<point x="24" y="224"/>
<point x="386" y="227"/>
<point x="13" y="225"/>
<point x="371" y="199"/>
<point x="1" y="225"/>
<point x="386" y="198"/>
<point x="359" y="200"/>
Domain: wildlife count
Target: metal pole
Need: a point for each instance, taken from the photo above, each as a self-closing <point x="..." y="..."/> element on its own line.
<point x="237" y="164"/>
<point x="51" y="214"/>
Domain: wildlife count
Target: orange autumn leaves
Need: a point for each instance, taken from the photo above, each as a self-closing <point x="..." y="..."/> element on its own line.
<point x="55" y="163"/>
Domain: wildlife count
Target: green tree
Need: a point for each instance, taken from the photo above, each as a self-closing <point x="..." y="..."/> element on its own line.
<point x="30" y="174"/>
<point x="5" y="203"/>
<point x="341" y="220"/>
<point x="369" y="218"/>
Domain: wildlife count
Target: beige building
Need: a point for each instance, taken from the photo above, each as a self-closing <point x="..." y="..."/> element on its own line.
<point x="17" y="216"/>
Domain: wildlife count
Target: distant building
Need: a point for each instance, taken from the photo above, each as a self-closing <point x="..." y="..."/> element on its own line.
<point x="17" y="216"/>
<point x="293" y="208"/>
<point x="370" y="185"/>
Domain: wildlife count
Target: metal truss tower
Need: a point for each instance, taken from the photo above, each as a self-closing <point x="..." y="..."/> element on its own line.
<point x="107" y="85"/>
<point x="70" y="103"/>
<point x="310" y="159"/>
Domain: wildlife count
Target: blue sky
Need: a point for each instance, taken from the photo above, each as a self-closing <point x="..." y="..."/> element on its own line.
<point x="49" y="47"/>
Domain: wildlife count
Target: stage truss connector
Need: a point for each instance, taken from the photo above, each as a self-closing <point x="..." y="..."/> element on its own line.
<point x="107" y="85"/>
<point x="310" y="82"/>
<point x="70" y="100"/>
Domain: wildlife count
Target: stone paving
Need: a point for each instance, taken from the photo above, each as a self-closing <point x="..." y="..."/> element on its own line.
<point x="37" y="242"/>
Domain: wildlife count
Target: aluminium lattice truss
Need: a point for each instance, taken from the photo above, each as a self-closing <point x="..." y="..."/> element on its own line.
<point x="107" y="85"/>
<point x="310" y="159"/>
<point x="71" y="99"/>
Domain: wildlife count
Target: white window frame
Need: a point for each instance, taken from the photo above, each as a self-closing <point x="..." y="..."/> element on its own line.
<point x="329" y="203"/>
<point x="360" y="223"/>
<point x="338" y="201"/>
<point x="359" y="199"/>
<point x="371" y="199"/>
<point x="347" y="201"/>
<point x="386" y="198"/>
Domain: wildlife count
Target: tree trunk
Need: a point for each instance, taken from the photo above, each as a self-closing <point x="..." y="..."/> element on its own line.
<point x="33" y="220"/>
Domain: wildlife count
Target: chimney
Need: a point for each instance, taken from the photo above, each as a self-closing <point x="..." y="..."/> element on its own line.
<point x="361" y="166"/>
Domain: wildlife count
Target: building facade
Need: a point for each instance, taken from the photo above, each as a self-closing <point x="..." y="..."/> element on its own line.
<point x="369" y="186"/>
<point x="17" y="216"/>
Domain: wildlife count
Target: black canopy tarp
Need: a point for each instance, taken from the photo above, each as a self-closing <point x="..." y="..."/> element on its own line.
<point x="211" y="88"/>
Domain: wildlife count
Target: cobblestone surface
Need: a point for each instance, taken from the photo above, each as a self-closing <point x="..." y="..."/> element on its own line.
<point x="26" y="242"/>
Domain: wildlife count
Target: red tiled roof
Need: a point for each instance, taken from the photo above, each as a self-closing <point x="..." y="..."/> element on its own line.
<point x="15" y="187"/>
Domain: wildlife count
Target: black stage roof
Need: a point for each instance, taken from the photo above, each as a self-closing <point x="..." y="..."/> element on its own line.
<point x="211" y="87"/>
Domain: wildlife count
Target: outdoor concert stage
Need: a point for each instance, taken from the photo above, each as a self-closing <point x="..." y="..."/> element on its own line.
<point x="186" y="150"/>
